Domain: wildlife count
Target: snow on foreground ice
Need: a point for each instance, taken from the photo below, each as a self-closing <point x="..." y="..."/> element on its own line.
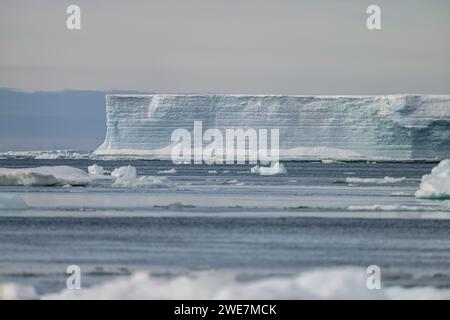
<point x="127" y="177"/>
<point x="277" y="168"/>
<point x="12" y="201"/>
<point x="331" y="283"/>
<point x="385" y="180"/>
<point x="44" y="176"/>
<point x="437" y="184"/>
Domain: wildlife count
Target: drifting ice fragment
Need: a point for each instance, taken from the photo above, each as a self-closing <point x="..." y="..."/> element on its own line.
<point x="437" y="184"/>
<point x="385" y="180"/>
<point x="126" y="177"/>
<point x="276" y="168"/>
<point x="44" y="176"/>
<point x="12" y="201"/>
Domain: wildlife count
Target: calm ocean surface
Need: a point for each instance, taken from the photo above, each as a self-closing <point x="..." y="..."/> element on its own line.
<point x="225" y="218"/>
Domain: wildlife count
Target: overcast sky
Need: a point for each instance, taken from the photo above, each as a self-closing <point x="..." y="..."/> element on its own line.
<point x="204" y="46"/>
<point x="227" y="46"/>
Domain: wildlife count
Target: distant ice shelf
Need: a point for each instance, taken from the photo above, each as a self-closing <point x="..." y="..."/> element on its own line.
<point x="397" y="127"/>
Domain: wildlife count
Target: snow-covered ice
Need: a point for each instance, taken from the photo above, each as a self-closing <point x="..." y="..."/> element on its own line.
<point x="437" y="184"/>
<point x="44" y="176"/>
<point x="327" y="283"/>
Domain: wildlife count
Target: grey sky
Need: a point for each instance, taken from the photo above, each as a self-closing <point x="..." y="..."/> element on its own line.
<point x="227" y="46"/>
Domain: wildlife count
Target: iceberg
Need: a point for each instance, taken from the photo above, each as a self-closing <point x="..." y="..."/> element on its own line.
<point x="44" y="176"/>
<point x="437" y="184"/>
<point x="394" y="127"/>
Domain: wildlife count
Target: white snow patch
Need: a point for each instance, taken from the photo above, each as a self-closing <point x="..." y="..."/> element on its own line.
<point x="385" y="180"/>
<point x="437" y="184"/>
<point x="331" y="283"/>
<point x="277" y="168"/>
<point x="44" y="176"/>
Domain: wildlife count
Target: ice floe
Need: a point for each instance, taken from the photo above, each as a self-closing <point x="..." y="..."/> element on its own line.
<point x="126" y="177"/>
<point x="12" y="201"/>
<point x="277" y="168"/>
<point x="385" y="180"/>
<point x="170" y="171"/>
<point x="44" y="176"/>
<point x="437" y="184"/>
<point x="329" y="283"/>
<point x="393" y="207"/>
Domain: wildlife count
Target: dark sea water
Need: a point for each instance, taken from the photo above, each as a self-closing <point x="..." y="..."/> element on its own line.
<point x="223" y="218"/>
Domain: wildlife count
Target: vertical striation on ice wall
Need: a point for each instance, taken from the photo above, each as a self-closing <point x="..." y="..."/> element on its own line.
<point x="397" y="127"/>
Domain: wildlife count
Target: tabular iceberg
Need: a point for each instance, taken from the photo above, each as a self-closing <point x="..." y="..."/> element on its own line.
<point x="398" y="127"/>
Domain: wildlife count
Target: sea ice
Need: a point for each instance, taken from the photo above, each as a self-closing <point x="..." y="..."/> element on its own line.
<point x="385" y="180"/>
<point x="13" y="291"/>
<point x="329" y="283"/>
<point x="44" y="176"/>
<point x="126" y="177"/>
<point x="437" y="184"/>
<point x="277" y="168"/>
<point x="12" y="201"/>
<point x="96" y="170"/>
<point x="171" y="171"/>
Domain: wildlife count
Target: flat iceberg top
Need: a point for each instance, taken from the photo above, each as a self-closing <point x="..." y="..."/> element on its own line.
<point x="443" y="96"/>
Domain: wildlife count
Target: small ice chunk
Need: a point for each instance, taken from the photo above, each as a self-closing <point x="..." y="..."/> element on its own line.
<point x="442" y="169"/>
<point x="437" y="184"/>
<point x="12" y="201"/>
<point x="126" y="177"/>
<point x="171" y="171"/>
<point x="433" y="187"/>
<point x="385" y="180"/>
<point x="277" y="168"/>
<point x="127" y="172"/>
<point x="96" y="170"/>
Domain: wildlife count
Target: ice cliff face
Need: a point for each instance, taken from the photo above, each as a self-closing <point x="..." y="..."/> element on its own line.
<point x="341" y="127"/>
